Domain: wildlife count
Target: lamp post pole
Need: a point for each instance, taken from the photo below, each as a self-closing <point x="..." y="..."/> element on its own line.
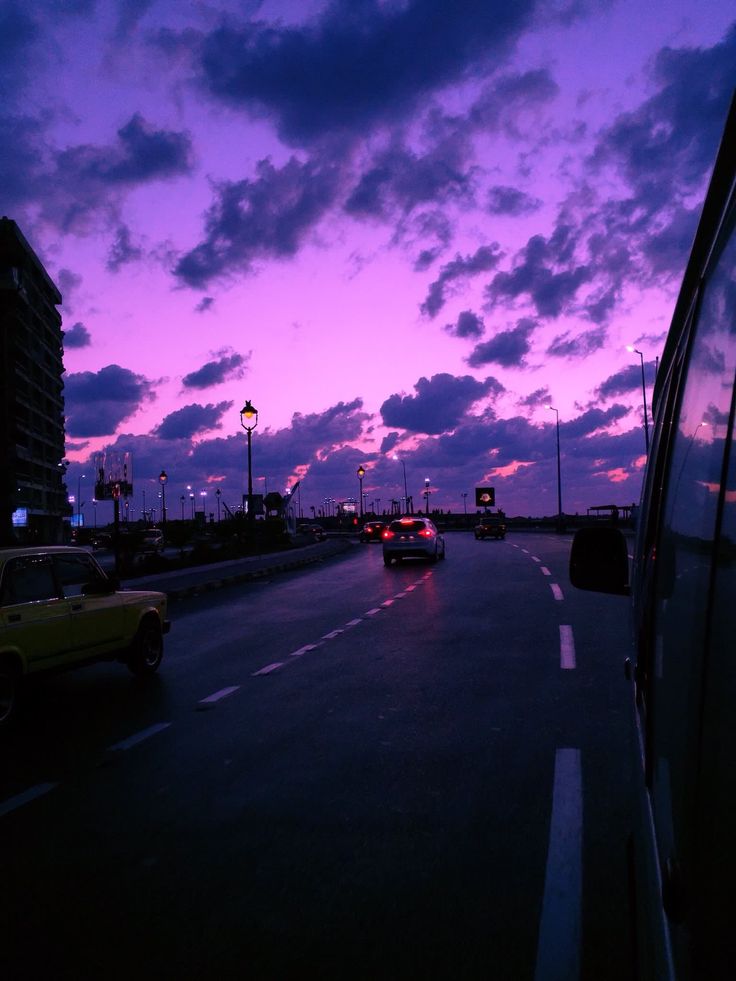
<point x="406" y="491"/>
<point x="361" y="474"/>
<point x="633" y="350"/>
<point x="79" y="500"/>
<point x="465" y="505"/>
<point x="182" y="499"/>
<point x="249" y="421"/>
<point x="162" y="478"/>
<point x="218" y="495"/>
<point x="426" y="493"/>
<point x="559" y="480"/>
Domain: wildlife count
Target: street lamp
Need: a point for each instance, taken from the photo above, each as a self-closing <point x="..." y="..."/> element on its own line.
<point x="559" y="481"/>
<point x="203" y="495"/>
<point x="182" y="499"/>
<point x="633" y="350"/>
<point x="426" y="492"/>
<point x="162" y="478"/>
<point x="218" y="495"/>
<point x="406" y="492"/>
<point x="191" y="501"/>
<point x="361" y="474"/>
<point x="464" y="496"/>
<point x="79" y="500"/>
<point x="249" y="421"/>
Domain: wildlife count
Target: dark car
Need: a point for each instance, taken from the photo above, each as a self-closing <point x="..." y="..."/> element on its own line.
<point x="682" y="673"/>
<point x="314" y="531"/>
<point x="412" y="538"/>
<point x="372" y="531"/>
<point x="491" y="526"/>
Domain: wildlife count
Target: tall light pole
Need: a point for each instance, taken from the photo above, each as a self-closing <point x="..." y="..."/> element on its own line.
<point x="406" y="491"/>
<point x="218" y="495"/>
<point x="162" y="478"/>
<point x="79" y="499"/>
<point x="203" y="495"/>
<point x="426" y="493"/>
<point x="191" y="501"/>
<point x="249" y="421"/>
<point x="182" y="499"/>
<point x="464" y="496"/>
<point x="633" y="350"/>
<point x="559" y="481"/>
<point x="361" y="474"/>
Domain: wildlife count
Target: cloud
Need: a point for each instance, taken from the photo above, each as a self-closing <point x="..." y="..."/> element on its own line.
<point x="468" y="324"/>
<point x="97" y="402"/>
<point x="122" y="250"/>
<point x="503" y="200"/>
<point x="18" y="35"/>
<point x="507" y="348"/>
<point x="357" y="65"/>
<point x="192" y="419"/>
<point x="223" y="368"/>
<point x="580" y="345"/>
<point x="77" y="336"/>
<point x="205" y="304"/>
<point x="536" y="399"/>
<point x="440" y="403"/>
<point x="484" y="258"/>
<point x="267" y="217"/>
<point x="625" y="381"/>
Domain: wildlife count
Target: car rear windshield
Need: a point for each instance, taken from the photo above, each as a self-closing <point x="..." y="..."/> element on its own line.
<point x="407" y="525"/>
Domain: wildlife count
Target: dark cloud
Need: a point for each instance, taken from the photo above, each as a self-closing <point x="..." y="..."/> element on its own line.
<point x="626" y="381"/>
<point x="18" y="34"/>
<point x="68" y="283"/>
<point x="97" y="402"/>
<point x="205" y="304"/>
<point x="504" y="200"/>
<point x="22" y="154"/>
<point x="461" y="267"/>
<point x="508" y="348"/>
<point x="358" y="65"/>
<point x="86" y="180"/>
<point x="265" y="217"/>
<point x="580" y="345"/>
<point x="122" y="250"/>
<point x="440" y="403"/>
<point x="536" y="399"/>
<point x="223" y="368"/>
<point x="593" y="420"/>
<point x="77" y="336"/>
<point x="191" y="420"/>
<point x="546" y="272"/>
<point x="468" y="324"/>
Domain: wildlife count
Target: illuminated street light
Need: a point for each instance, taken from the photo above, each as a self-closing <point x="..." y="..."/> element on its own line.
<point x="361" y="474"/>
<point x="162" y="478"/>
<point x="633" y="350"/>
<point x="426" y="492"/>
<point x="249" y="421"/>
<point x="406" y="492"/>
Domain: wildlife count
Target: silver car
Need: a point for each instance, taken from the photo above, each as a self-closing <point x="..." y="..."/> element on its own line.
<point x="407" y="538"/>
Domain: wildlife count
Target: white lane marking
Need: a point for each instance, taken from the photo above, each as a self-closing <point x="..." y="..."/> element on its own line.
<point x="388" y="602"/>
<point x="410" y="589"/>
<point x="400" y="595"/>
<point x="268" y="669"/>
<point x="219" y="695"/>
<point x="535" y="559"/>
<point x="372" y="613"/>
<point x="13" y="803"/>
<point x="355" y="622"/>
<point x="545" y="570"/>
<point x="556" y="591"/>
<point x="525" y="551"/>
<point x="558" y="946"/>
<point x="333" y="634"/>
<point x="139" y="737"/>
<point x="303" y="650"/>
<point x="567" y="648"/>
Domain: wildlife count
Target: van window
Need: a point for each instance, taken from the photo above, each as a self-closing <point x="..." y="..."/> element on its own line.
<point x="684" y="567"/>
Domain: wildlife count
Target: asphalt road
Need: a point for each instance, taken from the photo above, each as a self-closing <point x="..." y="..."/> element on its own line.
<point x="344" y="772"/>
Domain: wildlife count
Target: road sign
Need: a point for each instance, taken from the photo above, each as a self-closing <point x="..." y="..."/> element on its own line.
<point x="485" y="497"/>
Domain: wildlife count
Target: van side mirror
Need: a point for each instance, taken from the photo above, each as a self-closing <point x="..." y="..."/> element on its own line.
<point x="599" y="561"/>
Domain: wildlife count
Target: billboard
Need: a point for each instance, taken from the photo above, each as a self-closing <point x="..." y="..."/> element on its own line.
<point x="485" y="497"/>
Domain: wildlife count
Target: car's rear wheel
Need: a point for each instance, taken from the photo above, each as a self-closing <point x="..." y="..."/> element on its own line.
<point x="147" y="649"/>
<point x="387" y="560"/>
<point x="10" y="684"/>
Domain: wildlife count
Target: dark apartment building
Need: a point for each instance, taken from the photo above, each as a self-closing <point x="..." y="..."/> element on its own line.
<point x="33" y="497"/>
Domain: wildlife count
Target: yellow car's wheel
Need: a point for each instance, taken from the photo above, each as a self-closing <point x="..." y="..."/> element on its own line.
<point x="147" y="649"/>
<point x="10" y="682"/>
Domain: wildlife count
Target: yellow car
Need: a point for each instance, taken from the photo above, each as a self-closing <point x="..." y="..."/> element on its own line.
<point x="58" y="610"/>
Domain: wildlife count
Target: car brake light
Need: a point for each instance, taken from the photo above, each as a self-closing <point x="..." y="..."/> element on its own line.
<point x="426" y="533"/>
<point x="388" y="534"/>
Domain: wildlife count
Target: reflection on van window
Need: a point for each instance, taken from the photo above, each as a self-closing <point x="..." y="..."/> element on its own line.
<point x="684" y="565"/>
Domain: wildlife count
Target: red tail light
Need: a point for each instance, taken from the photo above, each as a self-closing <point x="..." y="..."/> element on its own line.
<point x="426" y="533"/>
<point x="387" y="534"/>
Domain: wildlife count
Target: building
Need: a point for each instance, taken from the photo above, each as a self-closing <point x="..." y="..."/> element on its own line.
<point x="33" y="497"/>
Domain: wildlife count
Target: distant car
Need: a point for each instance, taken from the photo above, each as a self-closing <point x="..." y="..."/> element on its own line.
<point x="153" y="540"/>
<point x="372" y="531"/>
<point x="58" y="609"/>
<point x="407" y="538"/>
<point x="101" y="540"/>
<point x="314" y="531"/>
<point x="491" y="526"/>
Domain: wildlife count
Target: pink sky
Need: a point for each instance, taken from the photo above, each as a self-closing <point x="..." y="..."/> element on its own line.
<point x="396" y="227"/>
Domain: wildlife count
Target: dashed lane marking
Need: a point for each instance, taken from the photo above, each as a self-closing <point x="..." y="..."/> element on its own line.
<point x="33" y="793"/>
<point x="355" y="622"/>
<point x="558" y="946"/>
<point x="304" y="650"/>
<point x="333" y="633"/>
<point x="545" y="570"/>
<point x="219" y="695"/>
<point x="536" y="559"/>
<point x="139" y="737"/>
<point x="268" y="669"/>
<point x="556" y="591"/>
<point x="567" y="648"/>
<point x="372" y="613"/>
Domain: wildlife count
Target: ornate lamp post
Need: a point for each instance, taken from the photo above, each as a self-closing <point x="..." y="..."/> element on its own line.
<point x="633" y="350"/>
<point x="249" y="421"/>
<point x="406" y="492"/>
<point x="162" y="478"/>
<point x="426" y="493"/>
<point x="559" y="480"/>
<point x="361" y="474"/>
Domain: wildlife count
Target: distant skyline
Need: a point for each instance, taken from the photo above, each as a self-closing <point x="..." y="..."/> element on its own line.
<point x="401" y="228"/>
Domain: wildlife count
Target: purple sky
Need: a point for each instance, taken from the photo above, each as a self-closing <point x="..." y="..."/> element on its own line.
<point x="401" y="228"/>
